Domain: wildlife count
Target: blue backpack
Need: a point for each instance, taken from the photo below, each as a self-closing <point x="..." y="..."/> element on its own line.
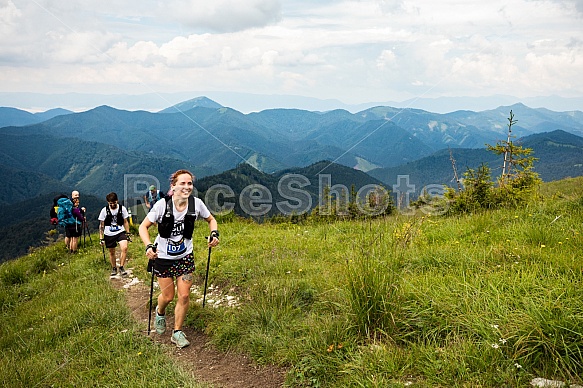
<point x="65" y="213"/>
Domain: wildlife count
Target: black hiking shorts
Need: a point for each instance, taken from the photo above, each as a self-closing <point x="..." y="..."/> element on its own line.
<point x="73" y="231"/>
<point x="111" y="241"/>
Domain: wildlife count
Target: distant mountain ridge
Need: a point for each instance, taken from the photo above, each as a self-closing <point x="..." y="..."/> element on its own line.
<point x="559" y="154"/>
<point x="253" y="102"/>
<point x="211" y="138"/>
<point x="202" y="102"/>
<point x="220" y="138"/>
<point x="305" y="182"/>
<point x="18" y="117"/>
<point x="37" y="164"/>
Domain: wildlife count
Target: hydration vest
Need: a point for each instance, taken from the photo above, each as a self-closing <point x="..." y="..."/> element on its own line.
<point x="109" y="216"/>
<point x="165" y="227"/>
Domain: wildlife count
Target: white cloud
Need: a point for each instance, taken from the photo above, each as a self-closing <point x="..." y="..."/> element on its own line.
<point x="223" y="15"/>
<point x="9" y="16"/>
<point x="355" y="51"/>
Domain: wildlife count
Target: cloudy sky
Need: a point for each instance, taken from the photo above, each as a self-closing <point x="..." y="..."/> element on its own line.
<point x="353" y="51"/>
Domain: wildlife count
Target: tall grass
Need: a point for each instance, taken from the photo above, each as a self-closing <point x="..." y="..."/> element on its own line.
<point x="63" y="325"/>
<point x="485" y="300"/>
<point x="491" y="299"/>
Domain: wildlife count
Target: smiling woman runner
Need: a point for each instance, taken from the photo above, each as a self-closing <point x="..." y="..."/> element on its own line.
<point x="172" y="250"/>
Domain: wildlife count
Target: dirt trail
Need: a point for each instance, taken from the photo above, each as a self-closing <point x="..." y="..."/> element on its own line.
<point x="200" y="359"/>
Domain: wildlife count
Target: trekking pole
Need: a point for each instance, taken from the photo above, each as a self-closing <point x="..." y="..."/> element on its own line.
<point x="88" y="232"/>
<point x="208" y="263"/>
<point x="103" y="249"/>
<point x="151" y="269"/>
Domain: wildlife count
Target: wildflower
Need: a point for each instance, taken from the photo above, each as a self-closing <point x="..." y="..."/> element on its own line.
<point x="330" y="348"/>
<point x="515" y="216"/>
<point x="139" y="353"/>
<point x="494" y="326"/>
<point x="300" y="270"/>
<point x="502" y="340"/>
<point x="495" y="346"/>
<point x="339" y="346"/>
<point x="517" y="365"/>
<point x="543" y="246"/>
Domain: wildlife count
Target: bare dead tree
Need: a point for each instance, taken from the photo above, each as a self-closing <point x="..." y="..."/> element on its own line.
<point x="457" y="179"/>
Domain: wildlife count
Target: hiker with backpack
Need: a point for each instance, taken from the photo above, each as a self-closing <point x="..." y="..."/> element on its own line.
<point x="152" y="197"/>
<point x="171" y="253"/>
<point x="55" y="208"/>
<point x="75" y="196"/>
<point x="69" y="216"/>
<point x="76" y="199"/>
<point x="114" y="229"/>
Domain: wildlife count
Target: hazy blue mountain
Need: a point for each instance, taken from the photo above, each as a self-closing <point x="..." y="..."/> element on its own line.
<point x="184" y="106"/>
<point x="560" y="155"/>
<point x="19" y="117"/>
<point x="90" y="167"/>
<point x="435" y="130"/>
<point x="310" y="180"/>
<point x="252" y="102"/>
<point x="528" y="120"/>
<point x="475" y="129"/>
<point x="22" y="184"/>
<point x="49" y="114"/>
<point x="339" y="174"/>
<point x="219" y="138"/>
<point x="16" y="117"/>
<point x="210" y="138"/>
<point x="296" y="124"/>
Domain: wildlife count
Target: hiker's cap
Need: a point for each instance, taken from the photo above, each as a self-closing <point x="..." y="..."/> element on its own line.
<point x="74" y="194"/>
<point x="152" y="187"/>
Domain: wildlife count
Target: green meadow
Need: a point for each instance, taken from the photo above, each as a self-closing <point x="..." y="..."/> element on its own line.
<point x="489" y="299"/>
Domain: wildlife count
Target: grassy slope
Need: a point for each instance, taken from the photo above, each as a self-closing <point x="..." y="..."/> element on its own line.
<point x="65" y="326"/>
<point x="487" y="300"/>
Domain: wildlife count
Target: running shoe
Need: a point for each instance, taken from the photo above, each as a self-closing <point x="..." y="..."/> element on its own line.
<point x="179" y="338"/>
<point x="160" y="322"/>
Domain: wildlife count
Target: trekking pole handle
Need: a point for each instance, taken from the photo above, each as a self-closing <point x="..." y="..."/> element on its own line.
<point x="150" y="261"/>
<point x="153" y="246"/>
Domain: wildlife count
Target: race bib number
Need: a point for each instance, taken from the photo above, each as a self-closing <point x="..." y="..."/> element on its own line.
<point x="113" y="228"/>
<point x="175" y="249"/>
